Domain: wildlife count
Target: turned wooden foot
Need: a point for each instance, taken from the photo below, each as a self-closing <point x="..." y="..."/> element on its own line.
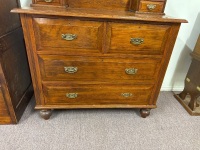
<point x="144" y="112"/>
<point x="46" y="113"/>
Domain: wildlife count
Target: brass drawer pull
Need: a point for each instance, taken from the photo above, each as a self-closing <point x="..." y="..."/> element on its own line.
<point x="136" y="41"/>
<point x="151" y="6"/>
<point x="198" y="88"/>
<point x="72" y="95"/>
<point x="71" y="69"/>
<point x="131" y="70"/>
<point x="48" y="1"/>
<point x="69" y="37"/>
<point x="127" y="94"/>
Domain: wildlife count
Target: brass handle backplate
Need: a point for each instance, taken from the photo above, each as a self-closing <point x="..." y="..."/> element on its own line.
<point x="151" y="6"/>
<point x="69" y="37"/>
<point x="198" y="88"/>
<point x="136" y="41"/>
<point x="72" y="95"/>
<point x="48" y="1"/>
<point x="71" y="69"/>
<point x="131" y="70"/>
<point x="127" y="94"/>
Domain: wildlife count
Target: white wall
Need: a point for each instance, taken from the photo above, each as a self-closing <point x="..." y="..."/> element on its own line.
<point x="185" y="43"/>
<point x="187" y="37"/>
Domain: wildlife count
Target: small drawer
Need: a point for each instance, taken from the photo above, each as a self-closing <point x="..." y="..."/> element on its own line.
<point x="54" y="67"/>
<point x="143" y="38"/>
<point x="47" y="2"/>
<point x="151" y="7"/>
<point x="67" y="35"/>
<point x="72" y="94"/>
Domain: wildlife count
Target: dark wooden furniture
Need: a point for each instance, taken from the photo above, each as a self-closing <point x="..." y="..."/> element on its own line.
<point x="96" y="54"/>
<point x="189" y="96"/>
<point x="15" y="81"/>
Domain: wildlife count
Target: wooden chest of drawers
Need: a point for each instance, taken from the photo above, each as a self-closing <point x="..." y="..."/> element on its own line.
<point x="83" y="57"/>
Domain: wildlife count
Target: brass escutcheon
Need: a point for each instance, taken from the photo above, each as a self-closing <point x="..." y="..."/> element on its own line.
<point x="131" y="70"/>
<point x="71" y="69"/>
<point x="48" y="1"/>
<point x="72" y="95"/>
<point x="136" y="41"/>
<point x="69" y="37"/>
<point x="198" y="88"/>
<point x="126" y="94"/>
<point x="151" y="6"/>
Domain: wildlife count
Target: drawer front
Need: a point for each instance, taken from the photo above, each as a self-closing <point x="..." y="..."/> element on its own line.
<point x="151" y="7"/>
<point x="96" y="94"/>
<point x="54" y="67"/>
<point x="47" y="2"/>
<point x="142" y="38"/>
<point x="69" y="35"/>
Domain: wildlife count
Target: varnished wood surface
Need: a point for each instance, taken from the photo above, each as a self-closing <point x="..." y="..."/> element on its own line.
<point x="97" y="68"/>
<point x="100" y="4"/>
<point x="153" y="39"/>
<point x="158" y="9"/>
<point x="97" y="94"/>
<point x="15" y="79"/>
<point x="101" y="52"/>
<point x="89" y="34"/>
<point x="8" y="20"/>
<point x="4" y="113"/>
<point x="15" y="82"/>
<point x="95" y="13"/>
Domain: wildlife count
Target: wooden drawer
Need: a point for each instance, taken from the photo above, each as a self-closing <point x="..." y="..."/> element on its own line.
<point x="70" y="94"/>
<point x="55" y="67"/>
<point x="151" y="6"/>
<point x="131" y="38"/>
<point x="70" y="35"/>
<point x="48" y="2"/>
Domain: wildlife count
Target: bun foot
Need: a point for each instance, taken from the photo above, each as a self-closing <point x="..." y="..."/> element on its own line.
<point x="45" y="114"/>
<point x="144" y="112"/>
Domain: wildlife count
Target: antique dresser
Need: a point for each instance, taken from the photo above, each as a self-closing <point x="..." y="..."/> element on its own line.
<point x="15" y="80"/>
<point x="97" y="54"/>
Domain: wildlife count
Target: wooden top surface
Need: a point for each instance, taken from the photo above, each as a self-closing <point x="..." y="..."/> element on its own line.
<point x="95" y="13"/>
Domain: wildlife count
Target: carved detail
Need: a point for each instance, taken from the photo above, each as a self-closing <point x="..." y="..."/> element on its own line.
<point x="144" y="112"/>
<point x="46" y="114"/>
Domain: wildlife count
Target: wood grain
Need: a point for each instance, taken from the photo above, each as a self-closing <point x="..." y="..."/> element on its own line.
<point x="153" y="39"/>
<point x="97" y="14"/>
<point x="100" y="4"/>
<point x="158" y="9"/>
<point x="101" y="52"/>
<point x="96" y="68"/>
<point x="97" y="94"/>
<point x="48" y="34"/>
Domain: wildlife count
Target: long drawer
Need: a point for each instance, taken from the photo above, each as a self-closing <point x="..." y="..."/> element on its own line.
<point x="56" y="67"/>
<point x="74" y="94"/>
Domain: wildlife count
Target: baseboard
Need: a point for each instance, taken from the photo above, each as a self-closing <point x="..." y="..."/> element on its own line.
<point x="171" y="88"/>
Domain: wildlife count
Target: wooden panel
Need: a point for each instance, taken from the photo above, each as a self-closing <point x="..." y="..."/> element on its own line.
<point x="16" y="71"/>
<point x="159" y="7"/>
<point x="50" y="2"/>
<point x="48" y="34"/>
<point x="10" y="21"/>
<point x="100" y="4"/>
<point x="97" y="94"/>
<point x="97" y="68"/>
<point x="154" y="40"/>
<point x="3" y="107"/>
